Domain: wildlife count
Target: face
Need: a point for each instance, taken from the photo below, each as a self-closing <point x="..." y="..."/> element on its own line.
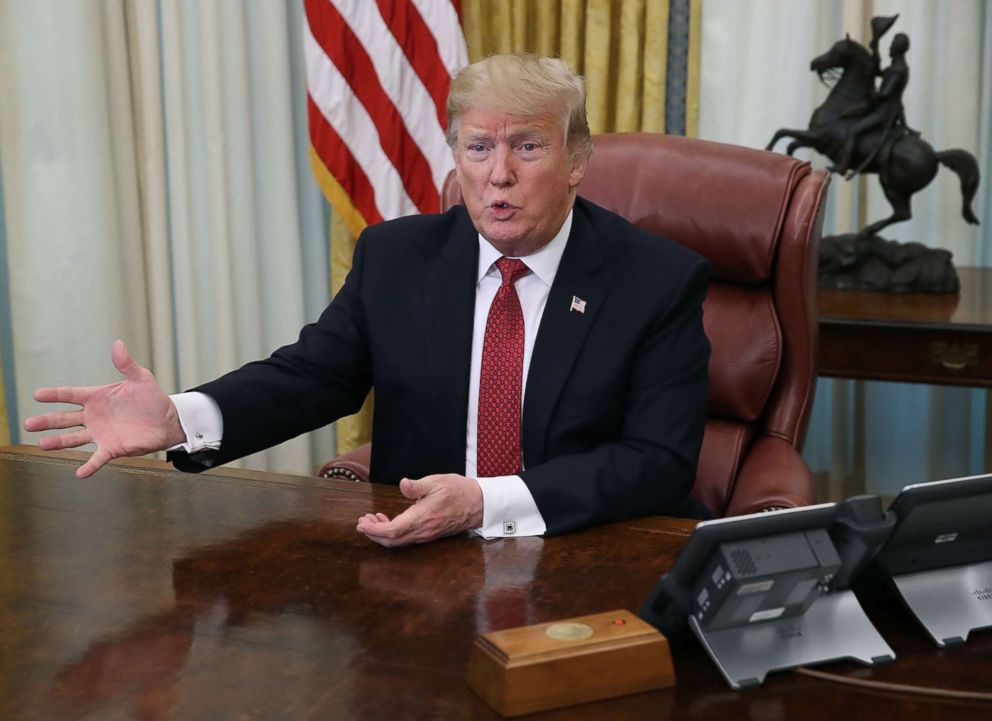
<point x="516" y="178"/>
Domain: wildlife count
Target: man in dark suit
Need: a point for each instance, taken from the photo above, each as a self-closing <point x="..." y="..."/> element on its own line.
<point x="539" y="363"/>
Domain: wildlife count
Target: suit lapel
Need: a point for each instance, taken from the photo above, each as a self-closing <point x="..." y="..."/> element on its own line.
<point x="562" y="332"/>
<point x="450" y="292"/>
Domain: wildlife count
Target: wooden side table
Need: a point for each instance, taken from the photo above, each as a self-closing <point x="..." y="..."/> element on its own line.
<point x="916" y="338"/>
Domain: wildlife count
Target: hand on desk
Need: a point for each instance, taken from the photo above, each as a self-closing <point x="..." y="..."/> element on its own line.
<point x="446" y="504"/>
<point x="128" y="418"/>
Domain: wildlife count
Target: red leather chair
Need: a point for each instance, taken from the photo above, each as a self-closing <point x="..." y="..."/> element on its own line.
<point x="757" y="217"/>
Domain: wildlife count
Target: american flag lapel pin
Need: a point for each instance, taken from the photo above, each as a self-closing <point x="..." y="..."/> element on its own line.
<point x="577" y="304"/>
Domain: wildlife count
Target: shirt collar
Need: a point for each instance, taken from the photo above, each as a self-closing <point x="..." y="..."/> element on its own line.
<point x="543" y="263"/>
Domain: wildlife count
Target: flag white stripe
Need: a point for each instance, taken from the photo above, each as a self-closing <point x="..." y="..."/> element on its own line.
<point x="441" y="18"/>
<point x="402" y="85"/>
<point x="332" y="94"/>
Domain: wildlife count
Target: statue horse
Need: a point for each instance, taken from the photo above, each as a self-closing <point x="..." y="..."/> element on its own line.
<point x="903" y="162"/>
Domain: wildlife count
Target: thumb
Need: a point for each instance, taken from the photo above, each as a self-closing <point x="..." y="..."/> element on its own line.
<point x="123" y="361"/>
<point x="414" y="489"/>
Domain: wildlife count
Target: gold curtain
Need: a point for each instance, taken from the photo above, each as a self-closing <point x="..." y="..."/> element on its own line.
<point x="4" y="427"/>
<point x="352" y="431"/>
<point x="620" y="46"/>
<point x="622" y="49"/>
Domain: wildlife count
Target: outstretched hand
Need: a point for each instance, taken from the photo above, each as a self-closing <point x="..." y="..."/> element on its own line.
<point x="446" y="504"/>
<point x="129" y="418"/>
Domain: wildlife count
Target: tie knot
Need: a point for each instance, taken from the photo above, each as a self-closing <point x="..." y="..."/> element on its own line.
<point x="511" y="269"/>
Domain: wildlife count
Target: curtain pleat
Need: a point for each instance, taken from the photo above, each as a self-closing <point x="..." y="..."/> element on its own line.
<point x="653" y="73"/>
<point x="351" y="431"/>
<point x="146" y="73"/>
<point x="4" y="423"/>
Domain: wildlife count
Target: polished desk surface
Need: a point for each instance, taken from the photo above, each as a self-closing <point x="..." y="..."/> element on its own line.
<point x="143" y="593"/>
<point x="912" y="337"/>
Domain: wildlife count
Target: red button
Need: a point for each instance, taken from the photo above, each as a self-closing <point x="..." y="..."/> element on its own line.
<point x="618" y="622"/>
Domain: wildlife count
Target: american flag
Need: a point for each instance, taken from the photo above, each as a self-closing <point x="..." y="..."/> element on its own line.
<point x="378" y="73"/>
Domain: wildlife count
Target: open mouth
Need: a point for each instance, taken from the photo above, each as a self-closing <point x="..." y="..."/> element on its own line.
<point x="502" y="211"/>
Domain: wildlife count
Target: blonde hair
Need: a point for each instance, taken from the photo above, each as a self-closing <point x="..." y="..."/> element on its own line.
<point x="526" y="85"/>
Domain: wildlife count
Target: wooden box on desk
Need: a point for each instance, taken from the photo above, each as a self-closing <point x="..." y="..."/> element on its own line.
<point x="550" y="665"/>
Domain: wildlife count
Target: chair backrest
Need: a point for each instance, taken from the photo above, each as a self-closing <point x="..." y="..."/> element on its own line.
<point x="756" y="216"/>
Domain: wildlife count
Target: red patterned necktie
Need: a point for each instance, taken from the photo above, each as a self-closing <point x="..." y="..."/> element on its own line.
<point x="500" y="380"/>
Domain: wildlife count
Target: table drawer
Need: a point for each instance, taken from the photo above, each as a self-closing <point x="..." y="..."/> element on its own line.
<point x="901" y="353"/>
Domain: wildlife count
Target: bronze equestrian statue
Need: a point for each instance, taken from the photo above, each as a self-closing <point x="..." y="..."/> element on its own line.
<point x="863" y="130"/>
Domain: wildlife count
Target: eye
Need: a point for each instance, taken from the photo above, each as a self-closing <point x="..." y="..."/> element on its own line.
<point x="530" y="147"/>
<point x="476" y="151"/>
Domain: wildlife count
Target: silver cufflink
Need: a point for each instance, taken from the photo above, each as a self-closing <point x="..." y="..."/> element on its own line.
<point x="509" y="528"/>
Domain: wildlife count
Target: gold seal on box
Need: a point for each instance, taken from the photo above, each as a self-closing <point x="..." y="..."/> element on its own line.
<point x="551" y="665"/>
<point x="568" y="631"/>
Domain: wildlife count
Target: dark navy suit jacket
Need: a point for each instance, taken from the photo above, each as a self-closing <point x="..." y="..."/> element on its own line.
<point x="614" y="406"/>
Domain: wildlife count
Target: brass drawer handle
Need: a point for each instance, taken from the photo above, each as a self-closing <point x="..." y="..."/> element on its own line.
<point x="955" y="356"/>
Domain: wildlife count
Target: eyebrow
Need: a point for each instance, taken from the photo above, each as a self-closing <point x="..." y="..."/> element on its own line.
<point x="512" y="136"/>
<point x="476" y="137"/>
<point x="535" y="133"/>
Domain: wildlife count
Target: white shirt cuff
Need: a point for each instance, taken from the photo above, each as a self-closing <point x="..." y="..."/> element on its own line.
<point x="202" y="422"/>
<point x="508" y="508"/>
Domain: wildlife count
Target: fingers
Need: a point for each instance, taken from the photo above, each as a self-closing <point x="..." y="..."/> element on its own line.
<point x="95" y="462"/>
<point x="50" y="421"/>
<point x="379" y="524"/>
<point x="65" y="440"/>
<point x="80" y="395"/>
<point x="64" y="394"/>
<point x="371" y="519"/>
<point x="401" y="531"/>
<point x="123" y="362"/>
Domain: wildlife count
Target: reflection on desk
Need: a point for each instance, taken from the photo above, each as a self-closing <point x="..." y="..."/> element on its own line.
<point x="146" y="593"/>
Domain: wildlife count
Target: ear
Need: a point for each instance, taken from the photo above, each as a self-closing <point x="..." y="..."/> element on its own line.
<point x="847" y="36"/>
<point x="577" y="171"/>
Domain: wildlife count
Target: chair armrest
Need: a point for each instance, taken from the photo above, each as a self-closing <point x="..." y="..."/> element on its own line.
<point x="352" y="466"/>
<point x="772" y="476"/>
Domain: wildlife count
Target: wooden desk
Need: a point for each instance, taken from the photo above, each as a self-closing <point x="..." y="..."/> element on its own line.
<point x="917" y="338"/>
<point x="145" y="593"/>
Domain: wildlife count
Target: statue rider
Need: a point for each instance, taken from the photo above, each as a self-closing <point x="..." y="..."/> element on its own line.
<point x="885" y="109"/>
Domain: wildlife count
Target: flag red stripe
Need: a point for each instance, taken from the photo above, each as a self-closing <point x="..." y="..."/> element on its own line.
<point x="347" y="53"/>
<point x="420" y="48"/>
<point x="342" y="164"/>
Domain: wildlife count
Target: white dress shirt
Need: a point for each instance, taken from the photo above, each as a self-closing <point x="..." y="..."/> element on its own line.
<point x="508" y="506"/>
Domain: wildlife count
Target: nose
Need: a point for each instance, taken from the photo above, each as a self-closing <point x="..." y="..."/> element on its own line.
<point x="504" y="169"/>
